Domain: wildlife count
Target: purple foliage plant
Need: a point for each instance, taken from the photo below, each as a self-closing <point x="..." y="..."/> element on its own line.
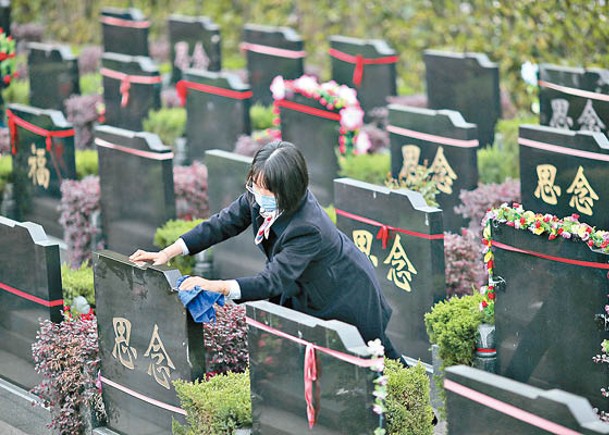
<point x="83" y="112"/>
<point x="464" y="266"/>
<point x="226" y="341"/>
<point x="190" y="186"/>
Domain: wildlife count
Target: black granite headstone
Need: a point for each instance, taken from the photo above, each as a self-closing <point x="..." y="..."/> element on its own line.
<point x="317" y="138"/>
<point x="547" y="329"/>
<point x="444" y="142"/>
<point x="238" y="256"/>
<point x="478" y="402"/>
<point x="271" y="52"/>
<point x="5" y="16"/>
<point x="136" y="187"/>
<point x="195" y="43"/>
<point x="53" y="73"/>
<point x="125" y="31"/>
<point x="574" y="98"/>
<point x="218" y="111"/>
<point x="42" y="143"/>
<point x="132" y="87"/>
<point x="146" y="341"/>
<point x="366" y="65"/>
<point x="467" y="83"/>
<point x="564" y="172"/>
<point x="409" y="258"/>
<point x="341" y="395"/>
<point x="30" y="289"/>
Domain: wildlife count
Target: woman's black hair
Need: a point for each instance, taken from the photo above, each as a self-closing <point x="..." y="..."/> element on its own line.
<point x="281" y="168"/>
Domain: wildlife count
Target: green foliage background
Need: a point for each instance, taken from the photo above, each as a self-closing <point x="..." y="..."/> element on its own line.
<point x="572" y="32"/>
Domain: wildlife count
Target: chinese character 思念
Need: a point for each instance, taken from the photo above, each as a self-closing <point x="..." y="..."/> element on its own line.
<point x="122" y="335"/>
<point x="546" y="174"/>
<point x="410" y="157"/>
<point x="363" y="241"/>
<point x="39" y="173"/>
<point x="401" y="268"/>
<point x="583" y="195"/>
<point x="560" y="119"/>
<point x="589" y="120"/>
<point x="443" y="173"/>
<point x="161" y="365"/>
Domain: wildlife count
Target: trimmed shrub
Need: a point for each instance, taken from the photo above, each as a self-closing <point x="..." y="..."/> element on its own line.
<point x="226" y="341"/>
<point x="6" y="170"/>
<point x="371" y="168"/>
<point x="86" y="163"/>
<point x="217" y="406"/>
<point x="89" y="61"/>
<point x="77" y="282"/>
<point x="18" y="92"/>
<point x="168" y="124"/>
<point x="190" y="187"/>
<point x="408" y="405"/>
<point x="83" y="112"/>
<point x="331" y="212"/>
<point x="261" y="117"/>
<point x="169" y="233"/>
<point x="91" y="84"/>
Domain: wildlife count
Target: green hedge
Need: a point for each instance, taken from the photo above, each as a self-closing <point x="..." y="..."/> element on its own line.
<point x="169" y="233"/>
<point x="77" y="282"/>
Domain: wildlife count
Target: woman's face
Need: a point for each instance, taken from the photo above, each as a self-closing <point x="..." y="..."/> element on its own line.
<point x="258" y="184"/>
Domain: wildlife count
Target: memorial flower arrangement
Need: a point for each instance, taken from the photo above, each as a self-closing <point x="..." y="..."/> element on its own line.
<point x="377" y="350"/>
<point x="7" y="59"/>
<point x="334" y="98"/>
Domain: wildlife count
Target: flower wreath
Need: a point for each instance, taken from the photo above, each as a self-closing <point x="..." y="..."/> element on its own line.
<point x="7" y="59"/>
<point x="333" y="97"/>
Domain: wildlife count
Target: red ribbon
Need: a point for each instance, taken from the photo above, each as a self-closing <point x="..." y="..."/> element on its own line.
<point x="582" y="263"/>
<point x="485" y="350"/>
<point x="29" y="297"/>
<point x="14" y="121"/>
<point x="359" y="61"/>
<point x="183" y="85"/>
<point x="310" y="363"/>
<point x="307" y="109"/>
<point x="126" y="81"/>
<point x="383" y="233"/>
<point x="272" y="51"/>
<point x="121" y="22"/>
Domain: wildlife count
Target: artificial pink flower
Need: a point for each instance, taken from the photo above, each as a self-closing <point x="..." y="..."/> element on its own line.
<point x="351" y="118"/>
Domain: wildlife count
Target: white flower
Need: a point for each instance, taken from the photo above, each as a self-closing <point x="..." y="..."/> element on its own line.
<point x="348" y="95"/>
<point x="351" y="118"/>
<point x="330" y="87"/>
<point x="376" y="348"/>
<point x="528" y="72"/>
<point x="278" y="88"/>
<point x="306" y="84"/>
<point x="362" y="143"/>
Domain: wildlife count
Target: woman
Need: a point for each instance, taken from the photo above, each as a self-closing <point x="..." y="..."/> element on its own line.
<point x="312" y="267"/>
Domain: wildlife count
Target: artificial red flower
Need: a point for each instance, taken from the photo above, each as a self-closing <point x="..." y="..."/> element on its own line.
<point x="491" y="296"/>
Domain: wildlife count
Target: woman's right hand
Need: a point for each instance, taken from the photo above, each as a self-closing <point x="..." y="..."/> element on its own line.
<point x="140" y="257"/>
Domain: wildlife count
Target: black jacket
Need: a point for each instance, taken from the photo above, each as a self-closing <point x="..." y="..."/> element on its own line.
<point x="312" y="266"/>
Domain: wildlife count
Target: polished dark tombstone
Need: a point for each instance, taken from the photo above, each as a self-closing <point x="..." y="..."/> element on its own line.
<point x="409" y="261"/>
<point x="478" y="402"/>
<point x="195" y="42"/>
<point x="53" y="73"/>
<point x="271" y="52"/>
<point x="147" y="340"/>
<point x="30" y="289"/>
<point x="547" y="319"/>
<point x="467" y="83"/>
<point x="443" y="141"/>
<point x="43" y="156"/>
<point x="367" y="65"/>
<point x="136" y="187"/>
<point x="564" y="172"/>
<point x="574" y="98"/>
<point x="218" y="111"/>
<point x="124" y="31"/>
<point x="5" y="16"/>
<point x="317" y="138"/>
<point x="238" y="256"/>
<point x="132" y="87"/>
<point x="342" y="394"/>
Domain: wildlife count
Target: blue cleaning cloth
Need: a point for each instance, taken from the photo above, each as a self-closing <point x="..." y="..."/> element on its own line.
<point x="199" y="302"/>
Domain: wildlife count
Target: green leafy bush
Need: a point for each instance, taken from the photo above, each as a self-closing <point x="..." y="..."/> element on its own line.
<point x="86" y="163"/>
<point x="6" y="169"/>
<point x="421" y="180"/>
<point x="217" y="406"/>
<point x="371" y="168"/>
<point x="169" y="124"/>
<point x="169" y="233"/>
<point x="91" y="84"/>
<point x="77" y="282"/>
<point x="331" y="212"/>
<point x="261" y="117"/>
<point x="18" y="92"/>
<point x="408" y="405"/>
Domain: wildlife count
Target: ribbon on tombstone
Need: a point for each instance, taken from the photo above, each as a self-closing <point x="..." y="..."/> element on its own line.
<point x="14" y="121"/>
<point x="183" y="86"/>
<point x="32" y="298"/>
<point x="126" y="81"/>
<point x="360" y="61"/>
<point x="272" y="51"/>
<point x="121" y="22"/>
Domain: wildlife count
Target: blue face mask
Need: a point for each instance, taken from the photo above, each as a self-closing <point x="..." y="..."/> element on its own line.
<point x="266" y="203"/>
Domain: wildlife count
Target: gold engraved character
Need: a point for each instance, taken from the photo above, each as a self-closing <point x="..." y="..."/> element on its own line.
<point x="401" y="267"/>
<point x="122" y="335"/>
<point x="444" y="174"/>
<point x="39" y="173"/>
<point x="583" y="195"/>
<point x="546" y="190"/>
<point x="410" y="158"/>
<point x="363" y="240"/>
<point x="161" y="365"/>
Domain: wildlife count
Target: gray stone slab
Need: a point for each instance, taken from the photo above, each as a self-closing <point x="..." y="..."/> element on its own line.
<point x="30" y="289"/>
<point x="147" y="339"/>
<point x="467" y="83"/>
<point x="410" y="268"/>
<point x="125" y="31"/>
<point x="479" y="402"/>
<point x="564" y="172"/>
<point x="20" y="411"/>
<point x="443" y="141"/>
<point x="342" y="395"/>
<point x="136" y="187"/>
<point x="237" y="256"/>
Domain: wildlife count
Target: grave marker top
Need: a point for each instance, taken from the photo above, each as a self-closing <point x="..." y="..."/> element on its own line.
<point x="125" y="31"/>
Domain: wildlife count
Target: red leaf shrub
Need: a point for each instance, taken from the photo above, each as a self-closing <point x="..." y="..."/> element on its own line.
<point x="190" y="187"/>
<point x="226" y="341"/>
<point x="464" y="266"/>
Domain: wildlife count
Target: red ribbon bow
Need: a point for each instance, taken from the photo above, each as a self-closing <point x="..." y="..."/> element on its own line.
<point x="14" y="121"/>
<point x="359" y="60"/>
